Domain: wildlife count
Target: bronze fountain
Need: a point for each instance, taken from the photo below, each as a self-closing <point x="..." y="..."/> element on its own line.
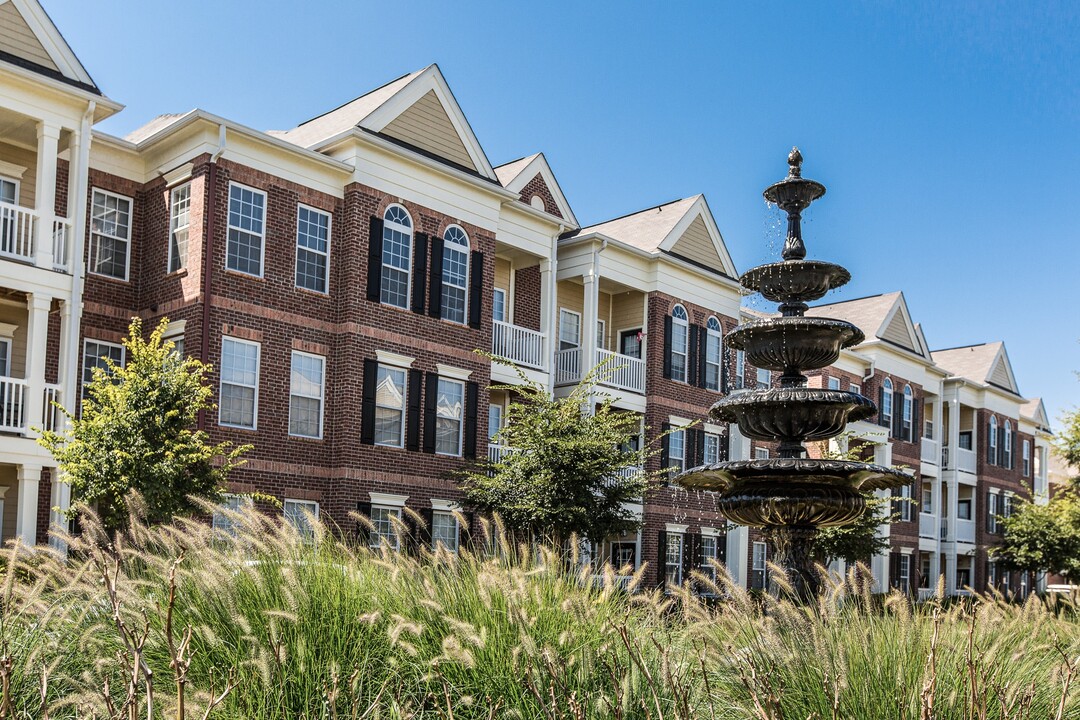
<point x="791" y="496"/>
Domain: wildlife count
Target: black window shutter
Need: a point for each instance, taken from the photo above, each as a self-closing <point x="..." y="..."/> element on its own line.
<point x="367" y="403"/>
<point x="423" y="531"/>
<point x="362" y="508"/>
<point x="895" y="502"/>
<point x="898" y="414"/>
<point x="431" y="397"/>
<point x="990" y="512"/>
<point x="725" y="360"/>
<point x="725" y="446"/>
<point x="665" y="444"/>
<point x="412" y="420"/>
<point x="721" y="548"/>
<point x="1001" y="446"/>
<point x="989" y="445"/>
<point x="700" y="459"/>
<point x="476" y="289"/>
<point x="435" y="279"/>
<point x="472" y="397"/>
<point x="894" y="569"/>
<point x="661" y="559"/>
<point x="689" y="447"/>
<point x="420" y="249"/>
<point x="916" y="430"/>
<point x="703" y="357"/>
<point x="374" y="271"/>
<point x="691" y="555"/>
<point x="667" y="347"/>
<point x="692" y="356"/>
<point x="466" y="530"/>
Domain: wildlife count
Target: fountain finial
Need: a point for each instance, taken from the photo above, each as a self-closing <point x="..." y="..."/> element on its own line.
<point x="794" y="161"/>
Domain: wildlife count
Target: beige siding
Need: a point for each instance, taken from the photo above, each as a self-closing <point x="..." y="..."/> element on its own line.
<point x="603" y="312"/>
<point x="897" y="332"/>
<point x="17" y="38"/>
<point x="427" y="126"/>
<point x="1000" y="376"/>
<point x="696" y="244"/>
<point x="15" y="315"/>
<point x="9" y="478"/>
<point x="627" y="313"/>
<point x="502" y="275"/>
<point x="571" y="296"/>
<point x="23" y="158"/>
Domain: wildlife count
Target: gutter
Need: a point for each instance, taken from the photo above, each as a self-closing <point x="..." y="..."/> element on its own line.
<point x="208" y="260"/>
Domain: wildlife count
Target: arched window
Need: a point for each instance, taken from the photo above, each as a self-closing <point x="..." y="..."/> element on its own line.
<point x="1007" y="450"/>
<point x="713" y="338"/>
<point x="909" y="406"/>
<point x="886" y="403"/>
<point x="396" y="257"/>
<point x="455" y="275"/>
<point x="679" y="342"/>
<point x="992" y="444"/>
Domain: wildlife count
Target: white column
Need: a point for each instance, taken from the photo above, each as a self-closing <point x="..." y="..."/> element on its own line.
<point x="59" y="501"/>
<point x="37" y="335"/>
<point x="48" y="138"/>
<point x="588" y="320"/>
<point x="26" y="519"/>
<point x="547" y="314"/>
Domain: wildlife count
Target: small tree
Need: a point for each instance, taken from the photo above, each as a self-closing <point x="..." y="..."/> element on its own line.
<point x="137" y="432"/>
<point x="563" y="475"/>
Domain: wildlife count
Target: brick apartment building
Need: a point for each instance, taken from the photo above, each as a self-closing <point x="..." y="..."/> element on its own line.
<point x="340" y="275"/>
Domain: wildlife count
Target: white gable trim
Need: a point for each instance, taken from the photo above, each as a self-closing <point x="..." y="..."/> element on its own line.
<point x="900" y="306"/>
<point x="700" y="208"/>
<point x="53" y="42"/>
<point x="539" y="166"/>
<point x="431" y="79"/>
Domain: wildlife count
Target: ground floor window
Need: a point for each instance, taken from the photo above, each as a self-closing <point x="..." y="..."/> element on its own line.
<point x="710" y="551"/>
<point x="759" y="569"/>
<point x="301" y="514"/>
<point x="444" y="530"/>
<point x="222" y="521"/>
<point x="673" y="560"/>
<point x="384" y="533"/>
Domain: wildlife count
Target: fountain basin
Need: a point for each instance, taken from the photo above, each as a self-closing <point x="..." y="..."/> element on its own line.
<point x="779" y="473"/>
<point x="793" y="194"/>
<point x="795" y="280"/>
<point x="816" y="505"/>
<point x="793" y="414"/>
<point x="805" y="342"/>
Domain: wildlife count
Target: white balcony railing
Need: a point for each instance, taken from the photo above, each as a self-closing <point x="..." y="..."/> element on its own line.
<point x="61" y="238"/>
<point x="12" y="405"/>
<point x="965" y="531"/>
<point x="522" y="345"/>
<point x="930" y="452"/>
<point x="927" y="525"/>
<point x="17" y="227"/>
<point x="567" y="366"/>
<point x="620" y="371"/>
<point x="958" y="459"/>
<point x="498" y="452"/>
<point x="52" y="418"/>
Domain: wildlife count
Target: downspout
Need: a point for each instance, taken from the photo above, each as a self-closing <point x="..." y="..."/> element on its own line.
<point x="870" y="373"/>
<point x="208" y="256"/>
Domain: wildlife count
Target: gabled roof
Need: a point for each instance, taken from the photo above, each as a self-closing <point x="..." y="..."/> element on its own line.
<point x="516" y="175"/>
<point x="684" y="229"/>
<point x="1035" y="410"/>
<point x="30" y="40"/>
<point x="987" y="363"/>
<point x="417" y="110"/>
<point x="881" y="317"/>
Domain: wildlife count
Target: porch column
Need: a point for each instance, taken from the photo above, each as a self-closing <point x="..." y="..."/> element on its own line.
<point x="59" y="501"/>
<point x="547" y="313"/>
<point x="26" y="519"/>
<point x="48" y="137"/>
<point x="37" y="335"/>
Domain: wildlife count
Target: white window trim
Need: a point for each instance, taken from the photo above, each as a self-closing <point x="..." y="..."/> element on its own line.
<point x="393" y="510"/>
<point x="855" y="388"/>
<point x="468" y="269"/>
<point x="169" y="260"/>
<point x="740" y="369"/>
<point x="1025" y="457"/>
<point x="388" y="499"/>
<point x="685" y="351"/>
<point x="559" y="339"/>
<point x="601" y="334"/>
<point x="11" y="171"/>
<point x="404" y="404"/>
<point x="326" y="253"/>
<point x="495" y="292"/>
<point x="761" y="453"/>
<point x="321" y="398"/>
<point x="719" y="335"/>
<point x="262" y="235"/>
<point x="445" y="508"/>
<point x="385" y="357"/>
<point x="887" y="401"/>
<point x="131" y="218"/>
<point x="307" y="504"/>
<point x="412" y="251"/>
<point x="832" y="379"/>
<point x="258" y="376"/>
<point x="16" y="181"/>
<point x="82" y="366"/>
<point x="440" y="505"/>
<point x="178" y="175"/>
<point x="449" y="371"/>
<point x="1006" y="453"/>
<point x="461" y="420"/>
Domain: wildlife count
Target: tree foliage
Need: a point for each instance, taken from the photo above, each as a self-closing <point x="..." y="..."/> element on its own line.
<point x="137" y="432"/>
<point x="563" y="475"/>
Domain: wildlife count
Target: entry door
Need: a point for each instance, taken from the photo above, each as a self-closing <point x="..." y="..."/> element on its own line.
<point x="630" y="343"/>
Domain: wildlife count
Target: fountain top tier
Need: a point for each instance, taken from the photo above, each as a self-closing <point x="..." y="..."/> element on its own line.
<point x="794" y="194"/>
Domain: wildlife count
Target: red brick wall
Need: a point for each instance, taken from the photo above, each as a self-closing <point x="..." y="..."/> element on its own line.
<point x="527" y="297"/>
<point x="538" y="187"/>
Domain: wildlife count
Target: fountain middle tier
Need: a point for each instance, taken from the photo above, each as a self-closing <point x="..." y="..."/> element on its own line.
<point x="782" y="343"/>
<point x="793" y="281"/>
<point x="792" y="415"/>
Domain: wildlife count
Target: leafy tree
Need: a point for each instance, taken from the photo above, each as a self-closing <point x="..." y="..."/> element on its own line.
<point x="563" y="475"/>
<point x="137" y="432"/>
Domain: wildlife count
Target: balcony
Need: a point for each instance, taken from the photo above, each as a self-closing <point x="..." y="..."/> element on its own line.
<point x="620" y="371"/>
<point x="930" y="452"/>
<point x="521" y="345"/>
<point x="927" y="522"/>
<point x="14" y="406"/>
<point x="965" y="531"/>
<point x="958" y="459"/>
<point x="20" y="230"/>
<point x="498" y="452"/>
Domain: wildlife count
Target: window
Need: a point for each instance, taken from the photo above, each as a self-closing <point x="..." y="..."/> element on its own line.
<point x="301" y="514"/>
<point x="1025" y="457"/>
<point x="677" y="450"/>
<point x="679" y="339"/>
<point x="239" y="383"/>
<point x="179" y="220"/>
<point x="963" y="508"/>
<point x="390" y="407"/>
<point x="444" y="530"/>
<point x="306" y="395"/>
<point x="495" y="416"/>
<point x="909" y="400"/>
<point x="9" y="194"/>
<point x="759" y="570"/>
<point x="886" y="403"/>
<point x="601" y="335"/>
<point x="992" y="574"/>
<point x="963" y="577"/>
<point x="312" y="248"/>
<point x="448" y="414"/>
<point x="396" y="257"/>
<point x="712" y="448"/>
<point x="498" y="305"/>
<point x="221" y="521"/>
<point x="965" y="440"/>
<point x="764" y="379"/>
<point x="630" y="343"/>
<point x="713" y="340"/>
<point x="992" y="453"/>
<point x="834" y="383"/>
<point x="903" y="573"/>
<point x="928" y="429"/>
<point x="906" y="503"/>
<point x="740" y="369"/>
<point x="9" y="191"/>
<point x="110" y="235"/>
<point x="708" y="552"/>
<point x="673" y="560"/>
<point x="5" y="357"/>
<point x="853" y="387"/>
<point x="455" y="274"/>
<point x="1007" y="450"/>
<point x="761" y="453"/>
<point x="96" y="354"/>
<point x="569" y="329"/>
<point x="247" y="210"/>
<point x="927" y="499"/>
<point x="384" y="534"/>
<point x="176" y="337"/>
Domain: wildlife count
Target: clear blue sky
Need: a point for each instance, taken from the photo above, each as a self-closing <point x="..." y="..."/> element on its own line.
<point x="947" y="137"/>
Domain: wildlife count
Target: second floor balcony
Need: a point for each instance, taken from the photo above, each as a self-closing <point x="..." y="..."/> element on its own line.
<point x="523" y="346"/>
<point x="22" y="231"/>
<point x="619" y="371"/>
<point x="15" y="400"/>
<point x="959" y="459"/>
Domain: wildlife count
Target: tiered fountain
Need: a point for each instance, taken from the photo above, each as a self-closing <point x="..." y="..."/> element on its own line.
<point x="791" y="496"/>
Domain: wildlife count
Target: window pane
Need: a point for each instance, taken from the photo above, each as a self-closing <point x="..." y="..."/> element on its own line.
<point x="239" y="381"/>
<point x="300" y="514"/>
<point x="246" y="212"/>
<point x="396" y="258"/>
<point x="110" y="224"/>
<point x="448" y="413"/>
<point x="444" y="530"/>
<point x="389" y="406"/>
<point x="498" y="306"/>
<point x="178" y="226"/>
<point x="384" y="531"/>
<point x="306" y="393"/>
<point x="94" y="356"/>
<point x="569" y="330"/>
<point x="312" y="243"/>
<point x="455" y="274"/>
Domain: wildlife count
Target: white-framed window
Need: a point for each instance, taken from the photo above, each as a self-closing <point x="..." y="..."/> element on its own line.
<point x="993" y="454"/>
<point x="239" y="392"/>
<point x="306" y="392"/>
<point x="220" y="521"/>
<point x="9" y="190"/>
<point x="569" y="329"/>
<point x="110" y="234"/>
<point x="96" y="354"/>
<point x="909" y="404"/>
<point x="312" y="248"/>
<point x="906" y="503"/>
<point x="5" y="357"/>
<point x="498" y="305"/>
<point x="301" y="514"/>
<point x="993" y="513"/>
<point x="992" y="574"/>
<point x="444" y="530"/>
<point x="711" y="450"/>
<point x="709" y="552"/>
<point x="904" y="572"/>
<point x="673" y="560"/>
<point x="601" y="335"/>
<point x="759" y="570"/>
<point x="1025" y="457"/>
<point x="834" y="383"/>
<point x="928" y="429"/>
<point x="886" y="403"/>
<point x="396" y="257"/>
<point x="761" y="453"/>
<point x="247" y="230"/>
<point x="179" y="221"/>
<point x="495" y="420"/>
<point x="449" y="411"/>
<point x="740" y="369"/>
<point x="852" y="387"/>
<point x="390" y="406"/>
<point x="455" y="275"/>
<point x="714" y="338"/>
<point x="764" y="379"/>
<point x="677" y="450"/>
<point x="1007" y="450"/>
<point x="927" y="505"/>
<point x="680" y="337"/>
<point x="385" y="530"/>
